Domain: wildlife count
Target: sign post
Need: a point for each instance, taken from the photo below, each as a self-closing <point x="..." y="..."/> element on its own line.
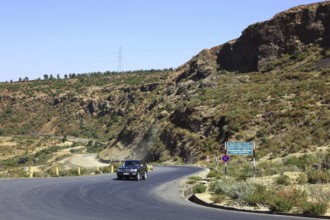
<point x="225" y="158"/>
<point x="241" y="148"/>
<point x="216" y="164"/>
<point x="254" y="162"/>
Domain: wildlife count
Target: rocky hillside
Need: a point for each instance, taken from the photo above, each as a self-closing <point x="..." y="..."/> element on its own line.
<point x="297" y="39"/>
<point x="287" y="33"/>
<point x="271" y="86"/>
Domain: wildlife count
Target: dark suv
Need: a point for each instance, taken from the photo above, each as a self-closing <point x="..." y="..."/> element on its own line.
<point x="133" y="168"/>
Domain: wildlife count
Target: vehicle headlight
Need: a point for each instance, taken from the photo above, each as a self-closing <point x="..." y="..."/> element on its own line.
<point x="120" y="170"/>
<point x="133" y="170"/>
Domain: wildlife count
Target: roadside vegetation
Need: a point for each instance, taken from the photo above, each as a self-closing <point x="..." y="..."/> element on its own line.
<point x="293" y="184"/>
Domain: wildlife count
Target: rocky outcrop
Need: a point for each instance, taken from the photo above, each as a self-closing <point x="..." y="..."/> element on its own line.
<point x="185" y="119"/>
<point x="144" y="88"/>
<point x="199" y="67"/>
<point x="149" y="87"/>
<point x="289" y="31"/>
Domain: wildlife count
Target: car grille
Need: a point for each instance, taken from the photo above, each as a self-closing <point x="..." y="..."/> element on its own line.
<point x="127" y="170"/>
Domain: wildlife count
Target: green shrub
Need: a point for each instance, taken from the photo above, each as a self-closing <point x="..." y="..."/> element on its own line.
<point x="326" y="161"/>
<point x="301" y="162"/>
<point x="17" y="173"/>
<point x="51" y="172"/>
<point x="63" y="173"/>
<point x="220" y="187"/>
<point x="106" y="169"/>
<point x="318" y="176"/>
<point x="280" y="205"/>
<point x="269" y="168"/>
<point x="194" y="179"/>
<point x="319" y="202"/>
<point x="176" y="159"/>
<point x="302" y="179"/>
<point x="282" y="180"/>
<point x="239" y="190"/>
<point x="284" y="200"/>
<point x="259" y="195"/>
<point x="218" y="198"/>
<point x="316" y="208"/>
<point x="199" y="188"/>
<point x="212" y="174"/>
<point x="98" y="172"/>
<point x="38" y="174"/>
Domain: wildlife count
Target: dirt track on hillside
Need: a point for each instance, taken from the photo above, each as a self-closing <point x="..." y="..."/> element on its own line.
<point x="83" y="160"/>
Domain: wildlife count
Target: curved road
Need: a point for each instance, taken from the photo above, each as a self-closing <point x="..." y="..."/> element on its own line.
<point x="104" y="197"/>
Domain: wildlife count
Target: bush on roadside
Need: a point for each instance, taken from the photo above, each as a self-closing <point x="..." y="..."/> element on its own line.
<point x="199" y="188"/>
<point x="15" y="173"/>
<point x="259" y="195"/>
<point x="212" y="174"/>
<point x="106" y="169"/>
<point x="98" y="172"/>
<point x="319" y="202"/>
<point x="38" y="174"/>
<point x="316" y="208"/>
<point x="280" y="205"/>
<point x="194" y="179"/>
<point x="284" y="200"/>
<point x="63" y="173"/>
<point x="242" y="191"/>
<point x="66" y="172"/>
<point x="218" y="198"/>
<point x="221" y="187"/>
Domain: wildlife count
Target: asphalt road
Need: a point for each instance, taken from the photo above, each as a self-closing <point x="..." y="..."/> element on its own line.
<point x="104" y="197"/>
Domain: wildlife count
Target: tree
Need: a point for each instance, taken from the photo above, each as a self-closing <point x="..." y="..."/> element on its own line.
<point x="58" y="77"/>
<point x="65" y="138"/>
<point x="20" y="79"/>
<point x="46" y="77"/>
<point x="157" y="149"/>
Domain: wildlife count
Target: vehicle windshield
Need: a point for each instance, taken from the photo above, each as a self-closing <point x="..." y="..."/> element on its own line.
<point x="132" y="163"/>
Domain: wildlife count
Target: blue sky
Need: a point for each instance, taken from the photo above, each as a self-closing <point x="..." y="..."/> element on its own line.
<point x="79" y="36"/>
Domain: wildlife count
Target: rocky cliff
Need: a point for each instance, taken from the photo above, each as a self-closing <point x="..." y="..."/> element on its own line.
<point x="287" y="32"/>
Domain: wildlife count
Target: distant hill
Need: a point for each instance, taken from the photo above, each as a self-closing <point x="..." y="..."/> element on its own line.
<point x="271" y="86"/>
